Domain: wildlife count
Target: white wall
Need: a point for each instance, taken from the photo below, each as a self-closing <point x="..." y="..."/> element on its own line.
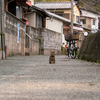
<point x="63" y="39"/>
<point x="32" y="2"/>
<point x="31" y="18"/>
<point x="54" y="25"/>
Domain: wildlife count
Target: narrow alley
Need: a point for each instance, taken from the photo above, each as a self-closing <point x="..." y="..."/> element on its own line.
<point x="33" y="78"/>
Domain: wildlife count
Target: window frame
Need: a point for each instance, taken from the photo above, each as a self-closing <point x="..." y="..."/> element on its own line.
<point x="39" y="21"/>
<point x="83" y="21"/>
<point x="93" y="21"/>
<point x="77" y="19"/>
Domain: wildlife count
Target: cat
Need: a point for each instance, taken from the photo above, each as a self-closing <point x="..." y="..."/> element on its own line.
<point x="52" y="58"/>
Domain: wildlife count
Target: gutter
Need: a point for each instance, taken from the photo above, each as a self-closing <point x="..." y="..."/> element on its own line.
<point x="41" y="10"/>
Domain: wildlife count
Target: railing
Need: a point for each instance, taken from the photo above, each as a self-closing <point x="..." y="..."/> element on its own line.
<point x="11" y="24"/>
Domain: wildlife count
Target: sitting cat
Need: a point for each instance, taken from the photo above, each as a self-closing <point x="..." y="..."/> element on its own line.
<point x="52" y="58"/>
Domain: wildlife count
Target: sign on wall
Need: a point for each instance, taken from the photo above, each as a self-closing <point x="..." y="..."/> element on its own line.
<point x="18" y="33"/>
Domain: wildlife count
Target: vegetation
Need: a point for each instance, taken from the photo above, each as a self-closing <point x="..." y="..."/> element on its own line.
<point x="95" y="4"/>
<point x="77" y="53"/>
<point x="97" y="61"/>
<point x="40" y="47"/>
<point x="63" y="51"/>
<point x="11" y="55"/>
<point x="40" y="51"/>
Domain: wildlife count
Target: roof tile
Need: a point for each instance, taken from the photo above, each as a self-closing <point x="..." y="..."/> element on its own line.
<point x="54" y="5"/>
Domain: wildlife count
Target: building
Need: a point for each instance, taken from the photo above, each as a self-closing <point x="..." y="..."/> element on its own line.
<point x="50" y="36"/>
<point x="37" y="25"/>
<point x="36" y="17"/>
<point x="62" y="9"/>
<point x="65" y="26"/>
<point x="13" y="27"/>
<point x="23" y="37"/>
<point x="90" y="19"/>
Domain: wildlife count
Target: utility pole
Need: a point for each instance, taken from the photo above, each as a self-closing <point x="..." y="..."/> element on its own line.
<point x="1" y="15"/>
<point x="72" y="1"/>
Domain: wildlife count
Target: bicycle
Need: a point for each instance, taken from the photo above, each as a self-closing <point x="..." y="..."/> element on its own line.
<point x="71" y="50"/>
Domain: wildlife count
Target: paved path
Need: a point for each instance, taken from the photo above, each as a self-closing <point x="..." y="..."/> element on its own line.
<point x="33" y="78"/>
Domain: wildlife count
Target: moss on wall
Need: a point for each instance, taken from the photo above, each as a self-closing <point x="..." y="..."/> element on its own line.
<point x="90" y="49"/>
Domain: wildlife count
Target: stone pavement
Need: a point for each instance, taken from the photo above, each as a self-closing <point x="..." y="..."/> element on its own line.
<point x="33" y="78"/>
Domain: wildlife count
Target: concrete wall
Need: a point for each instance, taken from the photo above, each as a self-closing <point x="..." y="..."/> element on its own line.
<point x="32" y="45"/>
<point x="54" y="25"/>
<point x="12" y="46"/>
<point x="1" y="54"/>
<point x="11" y="29"/>
<point x="90" y="49"/>
<point x="51" y="41"/>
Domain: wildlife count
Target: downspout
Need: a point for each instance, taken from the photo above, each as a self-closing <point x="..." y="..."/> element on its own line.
<point x="61" y="33"/>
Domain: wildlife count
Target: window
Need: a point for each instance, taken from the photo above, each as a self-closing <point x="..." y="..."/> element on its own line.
<point x="99" y="23"/>
<point x="39" y="21"/>
<point x="93" y="22"/>
<point x="66" y="16"/>
<point x="83" y="21"/>
<point x="18" y="12"/>
<point x="60" y="14"/>
<point x="12" y="7"/>
<point x="77" y="19"/>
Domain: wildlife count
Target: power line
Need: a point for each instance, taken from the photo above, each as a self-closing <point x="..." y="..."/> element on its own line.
<point x="88" y="6"/>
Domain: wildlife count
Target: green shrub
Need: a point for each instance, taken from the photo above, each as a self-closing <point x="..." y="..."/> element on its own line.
<point x="63" y="51"/>
<point x="97" y="61"/>
<point x="11" y="55"/>
<point x="77" y="53"/>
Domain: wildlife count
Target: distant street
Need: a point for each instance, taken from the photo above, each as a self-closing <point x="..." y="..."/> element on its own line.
<point x="33" y="78"/>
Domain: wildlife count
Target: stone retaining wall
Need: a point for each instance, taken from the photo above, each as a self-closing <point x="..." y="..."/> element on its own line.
<point x="90" y="49"/>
